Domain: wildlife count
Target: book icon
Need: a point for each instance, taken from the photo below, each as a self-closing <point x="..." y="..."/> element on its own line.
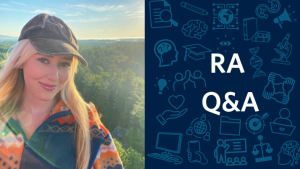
<point x="251" y="31"/>
<point x="229" y="126"/>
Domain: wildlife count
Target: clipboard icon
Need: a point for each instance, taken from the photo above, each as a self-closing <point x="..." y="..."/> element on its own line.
<point x="229" y="126"/>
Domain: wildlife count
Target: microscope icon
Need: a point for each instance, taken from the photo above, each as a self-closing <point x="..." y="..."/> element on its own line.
<point x="283" y="46"/>
<point x="255" y="151"/>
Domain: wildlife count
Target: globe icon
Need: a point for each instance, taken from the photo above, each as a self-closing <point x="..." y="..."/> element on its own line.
<point x="225" y="16"/>
<point x="200" y="127"/>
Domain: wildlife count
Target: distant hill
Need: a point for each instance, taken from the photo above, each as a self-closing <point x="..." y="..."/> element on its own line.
<point x="8" y="38"/>
<point x="94" y="43"/>
<point x="112" y="40"/>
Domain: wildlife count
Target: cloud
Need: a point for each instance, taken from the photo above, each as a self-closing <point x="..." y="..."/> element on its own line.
<point x="87" y="20"/>
<point x="131" y="7"/>
<point x="136" y="14"/>
<point x="5" y="9"/>
<point x="99" y="8"/>
<point x="4" y="5"/>
<point x="73" y="14"/>
<point x="41" y="11"/>
<point x="137" y="3"/>
<point x="17" y="3"/>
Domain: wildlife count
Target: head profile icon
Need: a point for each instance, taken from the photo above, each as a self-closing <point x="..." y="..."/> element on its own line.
<point x="166" y="52"/>
<point x="289" y="153"/>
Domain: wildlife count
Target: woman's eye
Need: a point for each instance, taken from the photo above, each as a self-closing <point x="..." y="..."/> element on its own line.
<point x="66" y="64"/>
<point x="42" y="60"/>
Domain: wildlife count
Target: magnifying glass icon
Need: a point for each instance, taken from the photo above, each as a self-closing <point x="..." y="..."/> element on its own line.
<point x="166" y="16"/>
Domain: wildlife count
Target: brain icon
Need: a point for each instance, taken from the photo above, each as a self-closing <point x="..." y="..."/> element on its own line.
<point x="289" y="147"/>
<point x="194" y="29"/>
<point x="163" y="48"/>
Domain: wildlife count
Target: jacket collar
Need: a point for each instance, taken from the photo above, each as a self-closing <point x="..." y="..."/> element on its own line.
<point x="62" y="114"/>
<point x="59" y="107"/>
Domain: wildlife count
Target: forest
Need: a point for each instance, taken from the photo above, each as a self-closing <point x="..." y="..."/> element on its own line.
<point x="115" y="82"/>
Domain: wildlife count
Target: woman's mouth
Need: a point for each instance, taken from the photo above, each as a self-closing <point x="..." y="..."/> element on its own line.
<point x="47" y="86"/>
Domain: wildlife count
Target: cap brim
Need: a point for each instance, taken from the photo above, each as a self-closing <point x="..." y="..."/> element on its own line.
<point x="53" y="47"/>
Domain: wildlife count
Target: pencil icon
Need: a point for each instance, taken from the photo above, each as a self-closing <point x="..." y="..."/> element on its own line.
<point x="194" y="8"/>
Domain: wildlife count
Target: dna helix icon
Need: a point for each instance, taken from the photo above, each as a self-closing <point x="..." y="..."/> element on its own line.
<point x="256" y="62"/>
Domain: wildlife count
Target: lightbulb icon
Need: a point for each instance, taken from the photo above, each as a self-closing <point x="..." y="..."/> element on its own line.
<point x="161" y="83"/>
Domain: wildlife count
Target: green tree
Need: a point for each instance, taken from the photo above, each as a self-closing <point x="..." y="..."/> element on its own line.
<point x="131" y="159"/>
<point x="135" y="160"/>
<point x="136" y="134"/>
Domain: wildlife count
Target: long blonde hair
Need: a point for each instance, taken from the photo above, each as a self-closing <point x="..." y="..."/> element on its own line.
<point x="11" y="90"/>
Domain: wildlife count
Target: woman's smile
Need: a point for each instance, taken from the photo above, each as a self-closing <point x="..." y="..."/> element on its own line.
<point x="48" y="87"/>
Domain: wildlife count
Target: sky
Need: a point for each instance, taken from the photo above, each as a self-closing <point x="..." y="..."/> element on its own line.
<point x="88" y="19"/>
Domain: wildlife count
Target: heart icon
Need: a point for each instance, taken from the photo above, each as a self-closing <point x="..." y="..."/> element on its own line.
<point x="176" y="101"/>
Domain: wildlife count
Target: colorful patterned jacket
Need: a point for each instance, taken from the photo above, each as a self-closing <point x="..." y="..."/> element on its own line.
<point x="51" y="146"/>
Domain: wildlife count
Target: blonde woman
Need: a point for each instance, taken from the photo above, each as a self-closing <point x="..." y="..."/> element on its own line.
<point x="45" y="123"/>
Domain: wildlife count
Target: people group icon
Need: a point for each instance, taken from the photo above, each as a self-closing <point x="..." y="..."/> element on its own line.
<point x="183" y="81"/>
<point x="236" y="161"/>
<point x="166" y="52"/>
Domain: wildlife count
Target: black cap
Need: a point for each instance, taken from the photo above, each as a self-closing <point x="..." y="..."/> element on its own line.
<point x="50" y="36"/>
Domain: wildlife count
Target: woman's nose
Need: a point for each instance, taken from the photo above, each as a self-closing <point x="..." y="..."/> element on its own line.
<point x="53" y="73"/>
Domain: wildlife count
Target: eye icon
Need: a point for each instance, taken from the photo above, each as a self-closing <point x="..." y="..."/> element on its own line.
<point x="224" y="43"/>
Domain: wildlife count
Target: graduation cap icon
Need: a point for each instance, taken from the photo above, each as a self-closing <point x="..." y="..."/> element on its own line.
<point x="195" y="51"/>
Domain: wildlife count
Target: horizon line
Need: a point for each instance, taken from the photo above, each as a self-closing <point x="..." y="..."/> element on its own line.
<point x="111" y="38"/>
<point x="96" y="38"/>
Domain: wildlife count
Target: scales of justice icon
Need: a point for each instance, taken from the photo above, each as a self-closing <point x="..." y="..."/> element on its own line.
<point x="255" y="151"/>
<point x="255" y="123"/>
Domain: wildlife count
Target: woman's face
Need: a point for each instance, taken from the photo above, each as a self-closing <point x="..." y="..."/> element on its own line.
<point x="49" y="70"/>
